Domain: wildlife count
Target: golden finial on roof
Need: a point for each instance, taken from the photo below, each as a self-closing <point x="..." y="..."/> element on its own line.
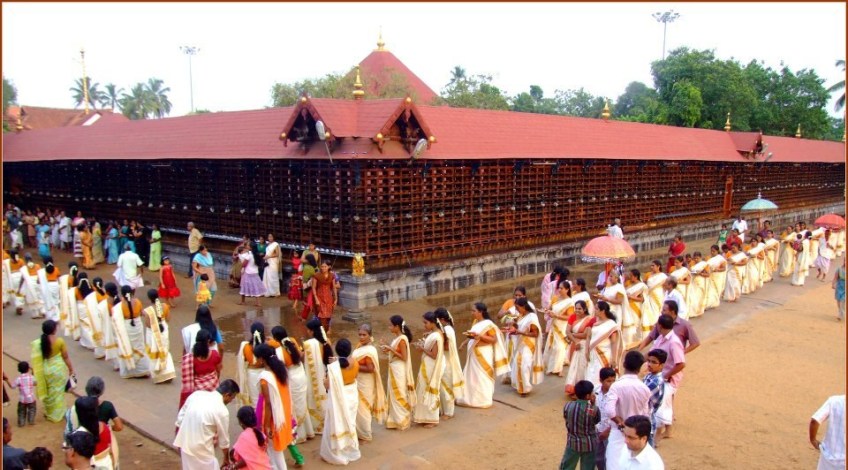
<point x="727" y="124"/>
<point x="85" y="96"/>
<point x="381" y="45"/>
<point x="19" y="126"/>
<point x="798" y="132"/>
<point x="358" y="93"/>
<point x="605" y="115"/>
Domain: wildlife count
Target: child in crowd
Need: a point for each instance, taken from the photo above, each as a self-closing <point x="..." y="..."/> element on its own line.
<point x="249" y="451"/>
<point x="204" y="295"/>
<point x="607" y="376"/>
<point x="581" y="416"/>
<point x="722" y="235"/>
<point x="168" y="289"/>
<point x="296" y="287"/>
<point x="25" y="383"/>
<point x="655" y="382"/>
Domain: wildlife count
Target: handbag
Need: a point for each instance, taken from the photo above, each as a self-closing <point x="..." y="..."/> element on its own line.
<point x="71" y="384"/>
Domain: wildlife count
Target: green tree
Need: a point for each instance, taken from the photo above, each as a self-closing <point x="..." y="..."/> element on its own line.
<point x="10" y="97"/>
<point x="535" y="102"/>
<point x="839" y="86"/>
<point x="390" y="84"/>
<point x="138" y="103"/>
<point x="474" y="91"/>
<point x="638" y="103"/>
<point x="686" y="105"/>
<point x="111" y="96"/>
<point x="160" y="105"/>
<point x="580" y="103"/>
<point x="95" y="96"/>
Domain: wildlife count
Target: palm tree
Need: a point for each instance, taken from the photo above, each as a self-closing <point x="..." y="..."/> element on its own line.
<point x="158" y="96"/>
<point x="94" y="95"/>
<point x="111" y="97"/>
<point x="138" y="103"/>
<point x="840" y="102"/>
<point x="457" y="75"/>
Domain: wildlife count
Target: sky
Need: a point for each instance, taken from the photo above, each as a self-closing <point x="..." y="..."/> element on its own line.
<point x="247" y="47"/>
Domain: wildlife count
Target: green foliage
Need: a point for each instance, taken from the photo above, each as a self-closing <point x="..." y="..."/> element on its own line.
<point x="686" y="104"/>
<point x="10" y="97"/>
<point x="95" y="96"/>
<point x="639" y="103"/>
<point x="340" y="86"/>
<point x="580" y="103"/>
<point x="475" y="91"/>
<point x="111" y="96"/>
<point x="535" y="102"/>
<point x="839" y="86"/>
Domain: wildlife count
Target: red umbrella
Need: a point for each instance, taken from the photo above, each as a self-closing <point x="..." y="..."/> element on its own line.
<point x="831" y="221"/>
<point x="607" y="249"/>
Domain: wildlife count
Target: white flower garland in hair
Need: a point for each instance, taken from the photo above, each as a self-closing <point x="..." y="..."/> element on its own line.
<point x="257" y="337"/>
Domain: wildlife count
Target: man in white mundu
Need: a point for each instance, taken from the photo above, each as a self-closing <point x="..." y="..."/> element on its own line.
<point x="202" y="421"/>
<point x="129" y="269"/>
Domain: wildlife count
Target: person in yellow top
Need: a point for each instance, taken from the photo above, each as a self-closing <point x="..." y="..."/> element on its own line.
<point x="195" y="239"/>
<point x="87" y="241"/>
<point x="204" y="295"/>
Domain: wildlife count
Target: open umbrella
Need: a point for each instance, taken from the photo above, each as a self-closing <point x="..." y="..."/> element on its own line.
<point x="759" y="204"/>
<point x="607" y="249"/>
<point x="831" y="221"/>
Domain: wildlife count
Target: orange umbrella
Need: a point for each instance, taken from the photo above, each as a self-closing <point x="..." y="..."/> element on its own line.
<point x="831" y="221"/>
<point x="607" y="249"/>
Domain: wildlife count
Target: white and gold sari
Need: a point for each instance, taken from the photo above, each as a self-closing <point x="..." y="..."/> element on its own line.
<point x="678" y="275"/>
<point x="429" y="381"/>
<point x="339" y="444"/>
<point x="400" y="387"/>
<point x="697" y="300"/>
<point x="772" y="245"/>
<point x="247" y="377"/>
<point x="31" y="292"/>
<point x="95" y="322"/>
<point x="453" y="382"/>
<point x="652" y="306"/>
<point x="802" y="264"/>
<point x="527" y="366"/>
<point x="601" y="350"/>
<point x="717" y="281"/>
<point x="787" y="255"/>
<point x="126" y="358"/>
<point x="110" y="342"/>
<point x="161" y="362"/>
<point x="316" y="394"/>
<point x="49" y="295"/>
<point x="631" y="324"/>
<point x="483" y="363"/>
<point x="752" y="270"/>
<point x="372" y="397"/>
<point x="579" y="357"/>
<point x="735" y="277"/>
<point x="81" y="313"/>
<point x="556" y="344"/>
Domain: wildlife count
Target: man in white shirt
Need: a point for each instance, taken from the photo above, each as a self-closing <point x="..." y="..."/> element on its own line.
<point x="614" y="230"/>
<point x="627" y="397"/>
<point x="638" y="455"/>
<point x="740" y="225"/>
<point x="65" y="232"/>
<point x="832" y="449"/>
<point x="203" y="419"/>
<point x="671" y="293"/>
<point x="129" y="269"/>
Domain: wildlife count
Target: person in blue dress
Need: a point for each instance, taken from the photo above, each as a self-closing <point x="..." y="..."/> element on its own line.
<point x="112" y="244"/>
<point x="44" y="239"/>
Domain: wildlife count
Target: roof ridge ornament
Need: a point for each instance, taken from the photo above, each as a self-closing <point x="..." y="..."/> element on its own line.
<point x="727" y="124"/>
<point x="798" y="132"/>
<point x="605" y="115"/>
<point x="381" y="45"/>
<point x="358" y="93"/>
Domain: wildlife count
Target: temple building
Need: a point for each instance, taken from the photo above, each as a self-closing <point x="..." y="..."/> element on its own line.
<point x="406" y="182"/>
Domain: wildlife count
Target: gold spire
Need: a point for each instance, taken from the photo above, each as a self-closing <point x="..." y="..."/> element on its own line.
<point x="19" y="126"/>
<point x="84" y="81"/>
<point x="727" y="124"/>
<point x="798" y="132"/>
<point x="381" y="45"/>
<point x="605" y="115"/>
<point x="358" y="93"/>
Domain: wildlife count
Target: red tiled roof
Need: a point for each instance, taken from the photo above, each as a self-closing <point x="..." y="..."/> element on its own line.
<point x="377" y="69"/>
<point x="460" y="133"/>
<point x="35" y="117"/>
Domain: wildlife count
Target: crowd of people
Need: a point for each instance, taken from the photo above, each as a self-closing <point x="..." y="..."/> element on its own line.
<point x="619" y="400"/>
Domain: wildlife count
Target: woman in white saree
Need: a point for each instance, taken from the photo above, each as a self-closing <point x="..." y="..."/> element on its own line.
<point x="735" y="274"/>
<point x="752" y="268"/>
<point x="654" y="296"/>
<point x="248" y="367"/>
<point x="276" y="405"/>
<point x="130" y="336"/>
<point x="76" y="298"/>
<point x="95" y="318"/>
<point x="271" y="275"/>
<point x="786" y="263"/>
<point x="631" y="325"/>
<point x="400" y="387"/>
<point x="29" y="288"/>
<point x="486" y="359"/>
<point x="67" y="302"/>
<point x="316" y="353"/>
<point x="453" y="382"/>
<point x="680" y="273"/>
<point x="698" y="288"/>
<point x="615" y="295"/>
<point x="372" y="397"/>
<point x="290" y="352"/>
<point x="772" y="245"/>
<point x="556" y="344"/>
<point x="802" y="263"/>
<point x="578" y="334"/>
<point x="428" y="383"/>
<point x="158" y="347"/>
<point x="605" y="346"/>
<point x="49" y="278"/>
<point x="717" y="266"/>
<point x="339" y="443"/>
<point x="527" y="366"/>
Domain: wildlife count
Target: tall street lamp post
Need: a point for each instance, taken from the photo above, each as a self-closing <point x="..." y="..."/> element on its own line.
<point x="190" y="51"/>
<point x="665" y="18"/>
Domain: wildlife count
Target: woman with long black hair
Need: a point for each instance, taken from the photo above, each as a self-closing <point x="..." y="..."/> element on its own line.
<point x="486" y="359"/>
<point x="248" y="367"/>
<point x="400" y="384"/>
<point x="158" y="346"/>
<point x="317" y="352"/>
<point x="339" y="443"/>
<point x="51" y="367"/>
<point x="276" y="404"/>
<point x="138" y="365"/>
<point x="290" y="352"/>
<point x="429" y="380"/>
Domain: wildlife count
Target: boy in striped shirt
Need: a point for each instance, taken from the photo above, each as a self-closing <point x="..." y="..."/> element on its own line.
<point x="581" y="416"/>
